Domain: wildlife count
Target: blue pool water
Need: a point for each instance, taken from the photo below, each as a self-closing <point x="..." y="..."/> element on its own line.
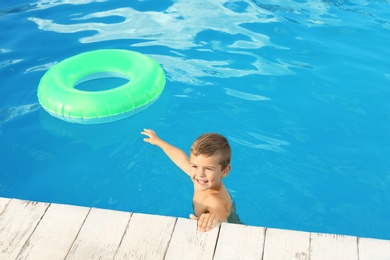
<point x="300" y="88"/>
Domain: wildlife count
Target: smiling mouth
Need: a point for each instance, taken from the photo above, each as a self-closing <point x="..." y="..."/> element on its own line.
<point x="202" y="182"/>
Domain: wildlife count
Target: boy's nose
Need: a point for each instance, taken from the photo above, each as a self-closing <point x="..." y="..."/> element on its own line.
<point x="202" y="172"/>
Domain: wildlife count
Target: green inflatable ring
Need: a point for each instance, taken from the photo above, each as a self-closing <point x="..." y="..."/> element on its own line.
<point x="57" y="95"/>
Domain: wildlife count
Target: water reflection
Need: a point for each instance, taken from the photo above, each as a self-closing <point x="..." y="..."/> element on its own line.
<point x="183" y="26"/>
<point x="245" y="95"/>
<point x="268" y="143"/>
<point x="100" y="135"/>
<point x="16" y="9"/>
<point x="11" y="113"/>
<point x="43" y="4"/>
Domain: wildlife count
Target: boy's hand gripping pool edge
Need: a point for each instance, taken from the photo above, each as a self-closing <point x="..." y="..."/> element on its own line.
<point x="206" y="221"/>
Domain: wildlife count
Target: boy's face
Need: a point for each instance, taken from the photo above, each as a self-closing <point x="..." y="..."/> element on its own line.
<point x="206" y="172"/>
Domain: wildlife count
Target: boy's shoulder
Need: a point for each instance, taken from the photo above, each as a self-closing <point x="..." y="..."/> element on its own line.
<point x="216" y="199"/>
<point x="219" y="205"/>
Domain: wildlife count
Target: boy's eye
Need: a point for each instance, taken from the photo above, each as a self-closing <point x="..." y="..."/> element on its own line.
<point x="194" y="166"/>
<point x="209" y="169"/>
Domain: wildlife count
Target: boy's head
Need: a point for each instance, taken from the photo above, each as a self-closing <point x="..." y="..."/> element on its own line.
<point x="213" y="144"/>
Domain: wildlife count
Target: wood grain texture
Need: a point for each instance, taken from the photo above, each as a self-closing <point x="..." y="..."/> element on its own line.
<point x="377" y="249"/>
<point x="55" y="233"/>
<point x="17" y="222"/>
<point x="31" y="230"/>
<point x="286" y="245"/>
<point x="239" y="242"/>
<point x="3" y="204"/>
<point x="146" y="237"/>
<point x="100" y="236"/>
<point x="189" y="243"/>
<point x="335" y="247"/>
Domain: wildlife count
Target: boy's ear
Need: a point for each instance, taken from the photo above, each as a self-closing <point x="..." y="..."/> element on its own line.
<point x="226" y="171"/>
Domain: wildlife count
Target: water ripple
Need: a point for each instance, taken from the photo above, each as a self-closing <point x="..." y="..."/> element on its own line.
<point x="179" y="28"/>
<point x="9" y="62"/>
<point x="43" y="67"/>
<point x="10" y="113"/>
<point x="270" y="144"/>
<point x="44" y="4"/>
<point x="176" y="28"/>
<point x="192" y="70"/>
<point x="16" y="9"/>
<point x="244" y="95"/>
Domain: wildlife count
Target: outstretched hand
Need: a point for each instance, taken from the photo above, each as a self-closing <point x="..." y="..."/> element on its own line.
<point x="177" y="156"/>
<point x="153" y="138"/>
<point x="206" y="221"/>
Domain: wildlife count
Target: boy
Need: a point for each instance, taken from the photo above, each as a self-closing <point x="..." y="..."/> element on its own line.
<point x="209" y="162"/>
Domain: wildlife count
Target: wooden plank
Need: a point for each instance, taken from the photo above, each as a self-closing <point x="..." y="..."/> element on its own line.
<point x="146" y="237"/>
<point x="55" y="233"/>
<point x="3" y="203"/>
<point x="240" y="242"/>
<point x="30" y="230"/>
<point x="328" y="246"/>
<point x="189" y="243"/>
<point x="373" y="249"/>
<point x="100" y="236"/>
<point x="286" y="244"/>
<point x="17" y="223"/>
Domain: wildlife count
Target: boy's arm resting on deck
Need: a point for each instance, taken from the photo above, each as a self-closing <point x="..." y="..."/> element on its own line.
<point x="179" y="157"/>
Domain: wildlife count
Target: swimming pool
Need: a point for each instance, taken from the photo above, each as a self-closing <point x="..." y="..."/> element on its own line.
<point x="300" y="89"/>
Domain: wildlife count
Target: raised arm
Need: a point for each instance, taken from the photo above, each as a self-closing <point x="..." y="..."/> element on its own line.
<point x="177" y="156"/>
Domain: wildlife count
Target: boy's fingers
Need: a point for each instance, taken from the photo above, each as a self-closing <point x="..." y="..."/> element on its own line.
<point x="206" y="222"/>
<point x="201" y="222"/>
<point x="148" y="131"/>
<point x="202" y="226"/>
<point x="211" y="223"/>
<point x="215" y="221"/>
<point x="193" y="217"/>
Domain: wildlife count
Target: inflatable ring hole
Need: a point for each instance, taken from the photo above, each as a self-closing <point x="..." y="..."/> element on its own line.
<point x="101" y="81"/>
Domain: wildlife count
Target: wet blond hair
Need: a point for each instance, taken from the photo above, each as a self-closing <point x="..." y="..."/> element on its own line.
<point x="213" y="144"/>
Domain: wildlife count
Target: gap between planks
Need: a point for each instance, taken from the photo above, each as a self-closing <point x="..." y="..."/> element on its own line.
<point x="31" y="230"/>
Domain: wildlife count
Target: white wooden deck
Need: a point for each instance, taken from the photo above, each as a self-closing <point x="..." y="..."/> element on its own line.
<point x="31" y="230"/>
